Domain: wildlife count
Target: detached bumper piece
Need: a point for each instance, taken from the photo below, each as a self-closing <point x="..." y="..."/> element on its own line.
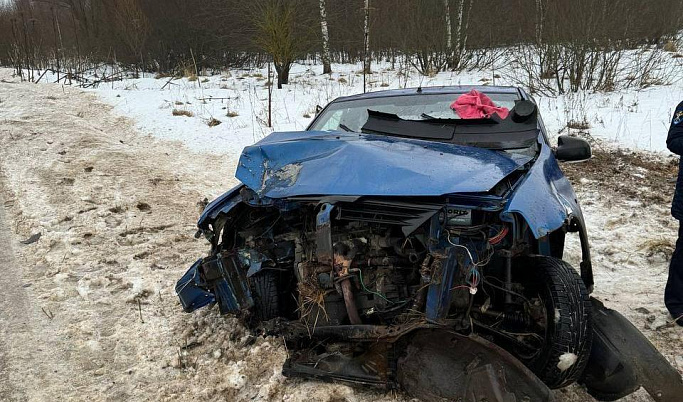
<point x="431" y="364"/>
<point x="190" y="290"/>
<point x="220" y="279"/>
<point x="444" y="365"/>
<point x="622" y="360"/>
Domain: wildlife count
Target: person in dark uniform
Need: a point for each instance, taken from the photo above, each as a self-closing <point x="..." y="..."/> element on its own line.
<point x="673" y="294"/>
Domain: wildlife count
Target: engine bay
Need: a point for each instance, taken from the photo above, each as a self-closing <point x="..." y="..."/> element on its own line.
<point x="361" y="274"/>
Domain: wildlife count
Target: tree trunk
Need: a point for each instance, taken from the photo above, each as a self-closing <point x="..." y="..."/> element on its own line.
<point x="461" y="32"/>
<point x="458" y="33"/>
<point x="284" y="76"/>
<point x="366" y="32"/>
<point x="449" y="33"/>
<point x="282" y="71"/>
<point x="463" y="48"/>
<point x="327" y="69"/>
<point x="539" y="21"/>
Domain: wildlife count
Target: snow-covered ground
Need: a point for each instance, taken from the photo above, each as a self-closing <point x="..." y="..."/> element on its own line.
<point x="116" y="203"/>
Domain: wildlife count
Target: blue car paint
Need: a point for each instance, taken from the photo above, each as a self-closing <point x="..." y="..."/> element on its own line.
<point x="544" y="197"/>
<point x="349" y="165"/>
<point x="190" y="292"/>
<point x="352" y="164"/>
<point x="224" y="203"/>
<point x="327" y="167"/>
<point x="439" y="292"/>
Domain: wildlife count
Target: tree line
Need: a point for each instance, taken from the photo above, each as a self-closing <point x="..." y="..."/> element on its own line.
<point x="171" y="36"/>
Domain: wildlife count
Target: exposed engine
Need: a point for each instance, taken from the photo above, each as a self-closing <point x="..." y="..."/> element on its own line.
<point x="358" y="263"/>
<point x="346" y="280"/>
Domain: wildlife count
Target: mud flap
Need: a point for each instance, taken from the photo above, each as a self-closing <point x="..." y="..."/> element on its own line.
<point x="622" y="360"/>
<point x="440" y="364"/>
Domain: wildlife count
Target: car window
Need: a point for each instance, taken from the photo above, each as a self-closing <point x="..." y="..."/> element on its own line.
<point x="333" y="121"/>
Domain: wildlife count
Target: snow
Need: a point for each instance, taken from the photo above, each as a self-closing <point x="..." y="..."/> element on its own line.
<point x="630" y="119"/>
<point x="566" y="361"/>
<point x="106" y="268"/>
<point x="633" y="119"/>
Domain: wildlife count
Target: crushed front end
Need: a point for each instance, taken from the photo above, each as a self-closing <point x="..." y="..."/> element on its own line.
<point x="447" y="285"/>
<point x="348" y="281"/>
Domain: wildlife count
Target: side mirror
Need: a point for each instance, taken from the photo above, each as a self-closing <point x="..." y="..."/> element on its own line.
<point x="318" y="109"/>
<point x="572" y="149"/>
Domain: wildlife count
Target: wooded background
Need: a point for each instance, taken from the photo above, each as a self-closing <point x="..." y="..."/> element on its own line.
<point x="169" y="36"/>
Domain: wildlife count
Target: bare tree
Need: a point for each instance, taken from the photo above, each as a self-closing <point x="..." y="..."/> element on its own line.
<point x="327" y="69"/>
<point x="461" y="32"/>
<point x="84" y="33"/>
<point x="539" y="21"/>
<point x="133" y="26"/>
<point x="449" y="32"/>
<point x="275" y="22"/>
<point x="366" y="38"/>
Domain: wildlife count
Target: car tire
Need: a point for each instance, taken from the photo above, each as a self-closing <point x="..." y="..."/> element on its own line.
<point x="569" y="332"/>
<point x="266" y="297"/>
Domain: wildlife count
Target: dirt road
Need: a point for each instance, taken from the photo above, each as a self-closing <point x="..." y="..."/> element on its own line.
<point x="10" y="317"/>
<point x="88" y="310"/>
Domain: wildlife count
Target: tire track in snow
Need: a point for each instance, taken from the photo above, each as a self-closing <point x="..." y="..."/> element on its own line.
<point x="12" y="298"/>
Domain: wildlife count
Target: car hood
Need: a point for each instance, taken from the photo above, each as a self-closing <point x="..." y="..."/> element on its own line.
<point x="292" y="164"/>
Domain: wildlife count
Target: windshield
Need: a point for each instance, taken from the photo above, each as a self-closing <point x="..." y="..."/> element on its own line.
<point x="352" y="115"/>
<point x="430" y="117"/>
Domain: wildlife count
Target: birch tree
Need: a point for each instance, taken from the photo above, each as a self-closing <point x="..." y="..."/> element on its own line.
<point x="327" y="69"/>
<point x="366" y="37"/>
<point x="461" y="32"/>
<point x="539" y="21"/>
<point x="449" y="32"/>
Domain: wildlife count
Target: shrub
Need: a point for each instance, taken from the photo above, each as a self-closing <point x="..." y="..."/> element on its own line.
<point x="186" y="113"/>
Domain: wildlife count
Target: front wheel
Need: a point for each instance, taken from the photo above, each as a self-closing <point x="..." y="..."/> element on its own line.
<point x="265" y="293"/>
<point x="567" y="328"/>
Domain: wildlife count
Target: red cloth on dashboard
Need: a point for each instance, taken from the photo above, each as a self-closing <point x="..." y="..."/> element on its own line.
<point x="476" y="105"/>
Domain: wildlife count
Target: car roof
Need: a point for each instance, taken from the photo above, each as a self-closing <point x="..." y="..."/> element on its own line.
<point x="454" y="89"/>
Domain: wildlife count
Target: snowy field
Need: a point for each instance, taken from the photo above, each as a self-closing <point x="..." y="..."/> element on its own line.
<point x="635" y="119"/>
<point x="111" y="179"/>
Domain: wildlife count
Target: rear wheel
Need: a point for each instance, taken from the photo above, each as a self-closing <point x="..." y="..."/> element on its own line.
<point x="567" y="327"/>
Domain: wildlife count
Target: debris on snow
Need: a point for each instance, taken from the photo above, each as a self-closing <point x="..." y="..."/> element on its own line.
<point x="657" y="322"/>
<point x="566" y="361"/>
<point x="34" y="238"/>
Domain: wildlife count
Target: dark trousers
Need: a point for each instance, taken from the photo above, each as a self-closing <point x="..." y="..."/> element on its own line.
<point x="673" y="294"/>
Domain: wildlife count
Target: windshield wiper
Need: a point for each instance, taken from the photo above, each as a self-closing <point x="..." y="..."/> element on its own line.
<point x="425" y="116"/>
<point x="345" y="127"/>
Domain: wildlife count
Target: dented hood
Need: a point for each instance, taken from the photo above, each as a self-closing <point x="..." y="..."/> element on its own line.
<point x="323" y="163"/>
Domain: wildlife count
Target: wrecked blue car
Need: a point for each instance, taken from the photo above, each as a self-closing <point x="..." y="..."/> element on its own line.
<point x="396" y="244"/>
